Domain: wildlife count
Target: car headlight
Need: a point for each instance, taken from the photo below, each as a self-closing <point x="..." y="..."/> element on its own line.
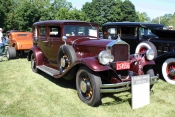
<point x="104" y="57"/>
<point x="149" y="54"/>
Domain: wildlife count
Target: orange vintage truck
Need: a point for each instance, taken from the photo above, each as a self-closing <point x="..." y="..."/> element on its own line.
<point x="19" y="43"/>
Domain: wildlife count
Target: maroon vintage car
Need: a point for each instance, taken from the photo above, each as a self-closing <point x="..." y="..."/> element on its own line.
<point x="72" y="49"/>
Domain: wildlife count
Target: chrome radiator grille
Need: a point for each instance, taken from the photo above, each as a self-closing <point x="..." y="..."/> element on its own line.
<point x="120" y="52"/>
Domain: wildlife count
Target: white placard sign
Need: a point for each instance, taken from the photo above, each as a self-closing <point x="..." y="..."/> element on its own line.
<point x="140" y="91"/>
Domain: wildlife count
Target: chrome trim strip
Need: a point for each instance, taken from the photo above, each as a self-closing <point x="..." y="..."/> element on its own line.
<point x="112" y="88"/>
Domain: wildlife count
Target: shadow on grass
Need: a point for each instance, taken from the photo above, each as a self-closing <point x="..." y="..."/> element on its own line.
<point x="60" y="81"/>
<point x="117" y="99"/>
<point x="72" y="85"/>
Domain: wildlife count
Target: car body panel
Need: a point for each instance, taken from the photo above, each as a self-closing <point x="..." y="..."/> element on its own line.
<point x="50" y="37"/>
<point x="20" y="40"/>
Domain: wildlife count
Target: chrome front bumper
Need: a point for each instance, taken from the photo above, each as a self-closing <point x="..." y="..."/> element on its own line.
<point x="123" y="86"/>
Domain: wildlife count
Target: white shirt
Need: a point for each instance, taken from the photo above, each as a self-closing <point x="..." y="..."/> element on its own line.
<point x="1" y="37"/>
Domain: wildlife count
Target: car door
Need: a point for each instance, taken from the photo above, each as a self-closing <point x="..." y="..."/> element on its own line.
<point x="55" y="41"/>
<point x="42" y="40"/>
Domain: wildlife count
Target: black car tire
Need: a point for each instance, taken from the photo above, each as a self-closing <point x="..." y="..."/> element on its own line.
<point x="167" y="66"/>
<point x="11" y="53"/>
<point x="33" y="63"/>
<point x="88" y="86"/>
<point x="66" y="54"/>
<point x="146" y="45"/>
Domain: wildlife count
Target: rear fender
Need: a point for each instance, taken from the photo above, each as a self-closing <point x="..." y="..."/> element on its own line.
<point x="37" y="53"/>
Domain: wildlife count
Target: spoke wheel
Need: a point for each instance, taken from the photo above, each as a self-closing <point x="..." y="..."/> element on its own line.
<point x="33" y="63"/>
<point x="65" y="62"/>
<point x="66" y="57"/>
<point x="143" y="49"/>
<point x="168" y="70"/>
<point x="88" y="87"/>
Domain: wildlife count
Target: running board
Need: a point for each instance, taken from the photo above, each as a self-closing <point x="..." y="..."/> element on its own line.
<point x="52" y="72"/>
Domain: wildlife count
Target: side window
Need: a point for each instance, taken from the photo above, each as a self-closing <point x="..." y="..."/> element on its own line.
<point x="42" y="31"/>
<point x="55" y="31"/>
<point x="71" y="30"/>
<point x="128" y="31"/>
<point x="81" y="31"/>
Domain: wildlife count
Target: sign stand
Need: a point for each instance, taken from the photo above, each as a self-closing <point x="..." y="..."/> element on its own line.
<point x="140" y="91"/>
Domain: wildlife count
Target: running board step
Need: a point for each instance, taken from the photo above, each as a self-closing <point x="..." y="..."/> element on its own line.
<point x="52" y="72"/>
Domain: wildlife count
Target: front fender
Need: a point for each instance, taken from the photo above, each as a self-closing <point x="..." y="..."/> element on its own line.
<point x="37" y="53"/>
<point x="164" y="56"/>
<point x="93" y="64"/>
<point x="139" y="64"/>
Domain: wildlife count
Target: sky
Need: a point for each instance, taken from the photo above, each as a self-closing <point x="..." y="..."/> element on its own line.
<point x="153" y="8"/>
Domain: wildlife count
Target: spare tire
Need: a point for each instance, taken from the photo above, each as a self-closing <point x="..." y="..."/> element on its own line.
<point x="11" y="53"/>
<point x="66" y="56"/>
<point x="145" y="45"/>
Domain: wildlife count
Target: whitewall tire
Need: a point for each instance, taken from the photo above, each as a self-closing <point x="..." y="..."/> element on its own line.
<point x="168" y="70"/>
<point x="144" y="46"/>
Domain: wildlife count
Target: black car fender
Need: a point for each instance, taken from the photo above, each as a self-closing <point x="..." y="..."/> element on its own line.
<point x="165" y="56"/>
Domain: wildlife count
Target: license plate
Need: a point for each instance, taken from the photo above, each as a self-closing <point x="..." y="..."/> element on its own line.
<point x="122" y="65"/>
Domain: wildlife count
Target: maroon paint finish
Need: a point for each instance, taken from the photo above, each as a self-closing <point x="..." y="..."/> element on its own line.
<point x="38" y="55"/>
<point x="86" y="47"/>
<point x="93" y="64"/>
<point x="139" y="61"/>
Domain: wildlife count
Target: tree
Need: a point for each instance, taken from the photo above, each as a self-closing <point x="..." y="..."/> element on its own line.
<point x="56" y="5"/>
<point x="143" y="17"/>
<point x="7" y="8"/>
<point x="171" y="22"/>
<point x="26" y="15"/>
<point x="102" y="11"/>
<point x="128" y="10"/>
<point x="74" y="14"/>
<point x="166" y="20"/>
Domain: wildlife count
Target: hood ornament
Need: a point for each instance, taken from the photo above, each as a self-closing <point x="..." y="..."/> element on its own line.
<point x="118" y="37"/>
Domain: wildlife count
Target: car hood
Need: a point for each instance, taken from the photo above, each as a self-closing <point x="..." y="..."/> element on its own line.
<point x="164" y="34"/>
<point x="91" y="42"/>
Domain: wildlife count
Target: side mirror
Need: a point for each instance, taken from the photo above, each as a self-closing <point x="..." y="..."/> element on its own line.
<point x="64" y="38"/>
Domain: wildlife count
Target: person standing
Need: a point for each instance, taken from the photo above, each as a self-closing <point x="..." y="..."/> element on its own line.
<point x="1" y="36"/>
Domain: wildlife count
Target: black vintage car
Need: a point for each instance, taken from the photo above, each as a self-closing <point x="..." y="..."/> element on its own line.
<point x="143" y="36"/>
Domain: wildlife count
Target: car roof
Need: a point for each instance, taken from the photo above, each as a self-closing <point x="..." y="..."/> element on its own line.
<point x="62" y="22"/>
<point x="133" y="24"/>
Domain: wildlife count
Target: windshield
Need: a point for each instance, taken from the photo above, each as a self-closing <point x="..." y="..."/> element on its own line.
<point x="74" y="30"/>
<point x="146" y="32"/>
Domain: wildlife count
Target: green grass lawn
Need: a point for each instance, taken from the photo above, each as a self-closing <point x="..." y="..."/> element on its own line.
<point x="24" y="93"/>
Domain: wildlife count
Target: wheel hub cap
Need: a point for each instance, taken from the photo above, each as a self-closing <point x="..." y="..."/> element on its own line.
<point x="172" y="72"/>
<point x="85" y="86"/>
<point x="63" y="62"/>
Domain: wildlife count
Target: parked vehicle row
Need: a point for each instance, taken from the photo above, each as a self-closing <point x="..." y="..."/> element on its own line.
<point x="100" y="62"/>
<point x="143" y="36"/>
